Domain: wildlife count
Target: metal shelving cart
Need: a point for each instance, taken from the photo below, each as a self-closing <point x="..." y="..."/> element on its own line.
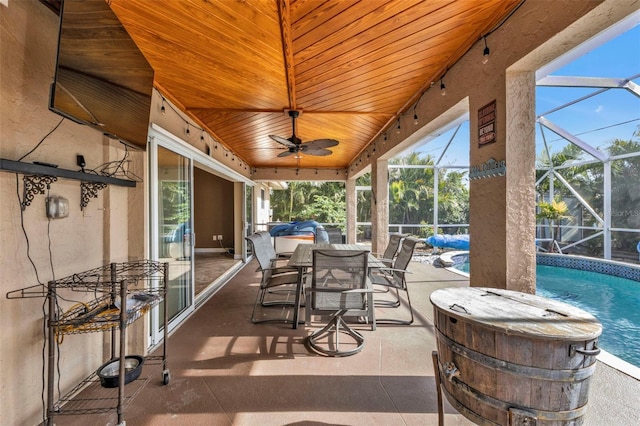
<point x="138" y="286"/>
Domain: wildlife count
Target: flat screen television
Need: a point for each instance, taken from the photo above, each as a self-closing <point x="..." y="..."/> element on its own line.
<point x="101" y="77"/>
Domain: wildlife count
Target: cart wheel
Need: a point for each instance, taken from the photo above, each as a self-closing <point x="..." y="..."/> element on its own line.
<point x="166" y="377"/>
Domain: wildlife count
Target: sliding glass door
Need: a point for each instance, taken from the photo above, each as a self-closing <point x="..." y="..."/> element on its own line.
<point x="248" y="220"/>
<point x="172" y="233"/>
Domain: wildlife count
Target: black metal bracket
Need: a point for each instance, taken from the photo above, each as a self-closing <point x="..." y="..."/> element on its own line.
<point x="37" y="178"/>
<point x="89" y="190"/>
<point x="33" y="185"/>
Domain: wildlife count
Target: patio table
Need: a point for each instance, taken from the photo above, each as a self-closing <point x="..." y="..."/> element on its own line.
<point x="302" y="258"/>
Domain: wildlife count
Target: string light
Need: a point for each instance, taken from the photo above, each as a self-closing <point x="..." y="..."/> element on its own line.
<point x="443" y="89"/>
<point x="203" y="140"/>
<point x="415" y="115"/>
<point x="385" y="136"/>
<point x="486" y="52"/>
<point x="398" y="130"/>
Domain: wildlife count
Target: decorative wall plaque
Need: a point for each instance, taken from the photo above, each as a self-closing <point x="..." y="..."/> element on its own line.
<point x="491" y="168"/>
<point x="487" y="124"/>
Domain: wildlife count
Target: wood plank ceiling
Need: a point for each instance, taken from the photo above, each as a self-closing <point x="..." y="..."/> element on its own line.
<point x="350" y="66"/>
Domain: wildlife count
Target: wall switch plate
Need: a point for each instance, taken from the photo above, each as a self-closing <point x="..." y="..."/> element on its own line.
<point x="57" y="207"/>
<point x="215" y="238"/>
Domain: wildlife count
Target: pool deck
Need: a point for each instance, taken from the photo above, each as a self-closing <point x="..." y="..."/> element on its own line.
<point x="227" y="371"/>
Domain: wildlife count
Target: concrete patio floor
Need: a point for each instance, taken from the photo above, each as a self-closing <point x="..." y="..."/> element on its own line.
<point x="227" y="371"/>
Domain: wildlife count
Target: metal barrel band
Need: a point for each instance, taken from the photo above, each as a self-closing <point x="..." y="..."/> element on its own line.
<point x="505" y="406"/>
<point x="518" y="369"/>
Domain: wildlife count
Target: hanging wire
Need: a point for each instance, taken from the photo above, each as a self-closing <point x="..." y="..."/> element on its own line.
<point x="42" y="140"/>
<point x="189" y="125"/>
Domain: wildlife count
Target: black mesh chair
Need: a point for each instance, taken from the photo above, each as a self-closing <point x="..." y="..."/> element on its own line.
<point x="394" y="278"/>
<point x="338" y="287"/>
<point x="334" y="234"/>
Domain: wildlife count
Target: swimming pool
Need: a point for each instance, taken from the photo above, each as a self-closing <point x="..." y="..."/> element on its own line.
<point x="614" y="300"/>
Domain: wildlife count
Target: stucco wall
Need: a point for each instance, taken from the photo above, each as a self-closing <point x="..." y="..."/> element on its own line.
<point x="262" y="204"/>
<point x="86" y="239"/>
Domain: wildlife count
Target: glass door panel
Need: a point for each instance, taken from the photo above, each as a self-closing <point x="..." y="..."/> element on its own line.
<point x="248" y="218"/>
<point x="175" y="228"/>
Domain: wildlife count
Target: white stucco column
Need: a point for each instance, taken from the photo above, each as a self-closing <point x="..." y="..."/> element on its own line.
<point x="521" y="177"/>
<point x="502" y="204"/>
<point x="379" y="205"/>
<point x="350" y="190"/>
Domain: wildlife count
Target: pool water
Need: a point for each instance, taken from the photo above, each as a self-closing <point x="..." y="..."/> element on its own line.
<point x="614" y="301"/>
<point x="464" y="267"/>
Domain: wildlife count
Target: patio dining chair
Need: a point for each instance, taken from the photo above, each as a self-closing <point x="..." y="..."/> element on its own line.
<point x="280" y="280"/>
<point x="271" y="251"/>
<point x="394" y="278"/>
<point x="391" y="251"/>
<point x="334" y="234"/>
<point x="338" y="287"/>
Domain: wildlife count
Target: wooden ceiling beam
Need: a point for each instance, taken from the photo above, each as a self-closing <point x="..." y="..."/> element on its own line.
<point x="271" y="111"/>
<point x="287" y="50"/>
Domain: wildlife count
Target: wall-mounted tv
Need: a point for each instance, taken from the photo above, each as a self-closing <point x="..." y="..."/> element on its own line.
<point x="101" y="77"/>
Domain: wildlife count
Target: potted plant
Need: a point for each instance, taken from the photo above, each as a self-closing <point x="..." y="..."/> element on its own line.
<point x="554" y="212"/>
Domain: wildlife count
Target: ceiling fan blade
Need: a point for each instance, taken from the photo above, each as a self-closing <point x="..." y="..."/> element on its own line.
<point x="319" y="152"/>
<point x="321" y="143"/>
<point x="283" y="141"/>
<point x="286" y="154"/>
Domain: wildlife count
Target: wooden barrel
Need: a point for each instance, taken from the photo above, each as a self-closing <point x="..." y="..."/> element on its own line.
<point x="512" y="358"/>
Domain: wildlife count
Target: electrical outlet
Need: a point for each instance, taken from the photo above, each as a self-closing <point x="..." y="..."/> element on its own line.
<point x="220" y="237"/>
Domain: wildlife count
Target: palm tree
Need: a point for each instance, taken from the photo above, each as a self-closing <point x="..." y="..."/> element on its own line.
<point x="554" y="212"/>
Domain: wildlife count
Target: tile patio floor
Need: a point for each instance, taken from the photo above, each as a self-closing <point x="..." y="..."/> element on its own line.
<point x="227" y="371"/>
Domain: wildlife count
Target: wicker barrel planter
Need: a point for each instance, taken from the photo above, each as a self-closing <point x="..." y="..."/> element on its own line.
<point x="511" y="358"/>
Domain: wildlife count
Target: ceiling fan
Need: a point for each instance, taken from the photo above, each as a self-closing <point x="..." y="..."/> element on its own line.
<point x="295" y="146"/>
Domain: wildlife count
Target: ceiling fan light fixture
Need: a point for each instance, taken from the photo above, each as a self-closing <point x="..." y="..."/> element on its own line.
<point x="295" y="146"/>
